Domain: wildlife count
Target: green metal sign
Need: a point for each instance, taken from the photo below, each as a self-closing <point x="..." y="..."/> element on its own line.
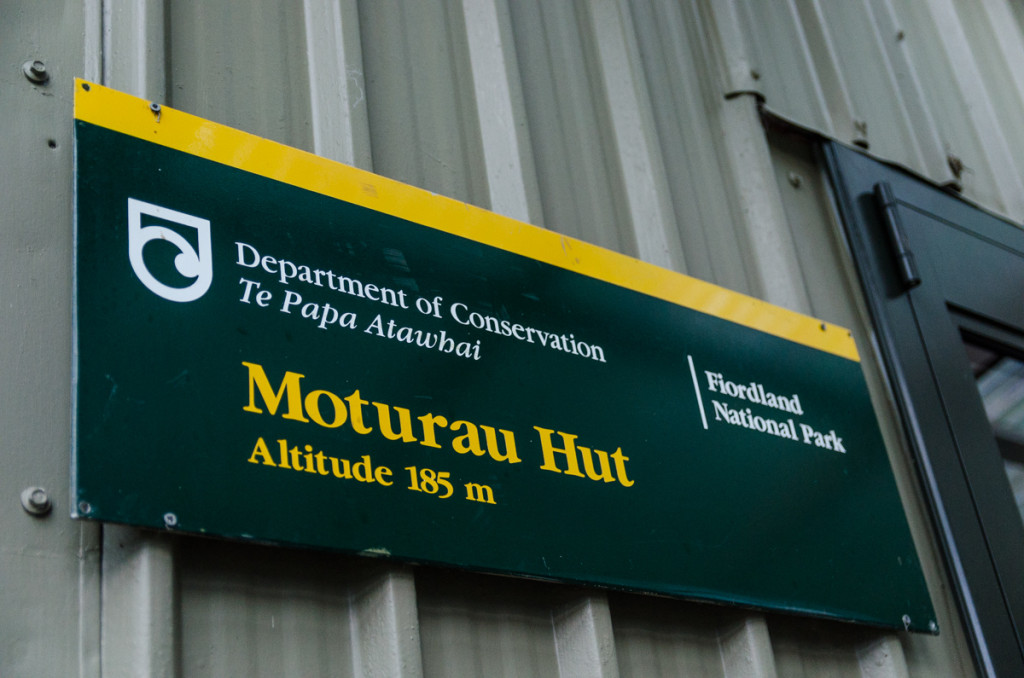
<point x="271" y="346"/>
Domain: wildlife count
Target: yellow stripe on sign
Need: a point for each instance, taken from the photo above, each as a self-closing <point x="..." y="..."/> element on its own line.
<point x="136" y="117"/>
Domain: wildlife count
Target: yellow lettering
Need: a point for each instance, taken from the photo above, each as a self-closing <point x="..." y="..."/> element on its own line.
<point x="480" y="493"/>
<point x="620" y="467"/>
<point x="588" y="465"/>
<point x="362" y="470"/>
<point x="470" y="442"/>
<point x="296" y="458"/>
<point x="313" y="409"/>
<point x="343" y="471"/>
<point x="382" y="474"/>
<point x="404" y="422"/>
<point x="289" y="386"/>
<point x="283" y="444"/>
<point x="492" y="445"/>
<point x="263" y="453"/>
<point x="355" y="405"/>
<point x="428" y="421"/>
<point x="573" y="468"/>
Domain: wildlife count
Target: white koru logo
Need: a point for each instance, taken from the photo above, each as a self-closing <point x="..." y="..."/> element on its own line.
<point x="189" y="262"/>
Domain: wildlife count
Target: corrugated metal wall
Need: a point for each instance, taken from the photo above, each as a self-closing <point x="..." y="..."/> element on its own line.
<point x="633" y="125"/>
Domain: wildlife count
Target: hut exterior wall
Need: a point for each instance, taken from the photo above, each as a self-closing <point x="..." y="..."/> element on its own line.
<point x="633" y="125"/>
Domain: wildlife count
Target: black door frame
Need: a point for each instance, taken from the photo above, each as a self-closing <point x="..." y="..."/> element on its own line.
<point x="935" y="268"/>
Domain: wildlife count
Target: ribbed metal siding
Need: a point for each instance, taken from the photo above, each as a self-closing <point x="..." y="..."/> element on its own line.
<point x="244" y="68"/>
<point x="633" y="125"/>
<point x="935" y="86"/>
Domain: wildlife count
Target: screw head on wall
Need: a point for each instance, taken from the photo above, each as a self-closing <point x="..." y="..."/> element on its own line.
<point x="36" y="501"/>
<point x="36" y="72"/>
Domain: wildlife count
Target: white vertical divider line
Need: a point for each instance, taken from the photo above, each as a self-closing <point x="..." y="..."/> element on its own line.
<point x="967" y="78"/>
<point x="883" y="658"/>
<point x="766" y="240"/>
<point x="746" y="650"/>
<point x="584" y="641"/>
<point x="336" y="86"/>
<point x="637" y="151"/>
<point x="490" y="57"/>
<point x="383" y="610"/>
<point x="138" y="597"/>
<point x="696" y="390"/>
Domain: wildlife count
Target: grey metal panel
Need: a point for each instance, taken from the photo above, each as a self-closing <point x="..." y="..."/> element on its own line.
<point x="138" y="629"/>
<point x="387" y="624"/>
<point x="1016" y="11"/>
<point x="997" y="39"/>
<point x="419" y="92"/>
<point x="674" y="53"/>
<point x="581" y="188"/>
<point x="996" y="42"/>
<point x="905" y="70"/>
<point x="473" y="625"/>
<point x="133" y="48"/>
<point x="848" y="50"/>
<point x="747" y="649"/>
<point x="634" y="143"/>
<point x="480" y="626"/>
<point x="935" y="86"/>
<point x="241" y="64"/>
<point x="669" y="638"/>
<point x="803" y="650"/>
<point x="255" y="611"/>
<point x="49" y="583"/>
<point x="957" y="90"/>
<point x="337" y="93"/>
<point x="262" y="611"/>
<point x="504" y="136"/>
<point x="786" y="72"/>
<point x="584" y="639"/>
<point x="824" y="65"/>
<point x="765" y="247"/>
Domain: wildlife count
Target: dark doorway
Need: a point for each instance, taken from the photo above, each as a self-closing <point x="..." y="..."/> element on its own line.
<point x="945" y="284"/>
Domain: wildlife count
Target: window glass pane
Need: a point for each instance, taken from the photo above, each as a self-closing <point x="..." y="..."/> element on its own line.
<point x="1001" y="384"/>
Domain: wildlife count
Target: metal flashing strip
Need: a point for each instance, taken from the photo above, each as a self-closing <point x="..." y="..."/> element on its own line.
<point x="181" y="131"/>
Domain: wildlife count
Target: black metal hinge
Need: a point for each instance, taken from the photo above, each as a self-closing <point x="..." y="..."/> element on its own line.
<point x="897" y="238"/>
